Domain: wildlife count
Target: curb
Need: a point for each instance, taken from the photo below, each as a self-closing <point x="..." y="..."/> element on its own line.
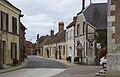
<point x="24" y="63"/>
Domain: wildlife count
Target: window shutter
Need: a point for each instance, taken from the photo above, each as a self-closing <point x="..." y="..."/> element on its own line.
<point x="13" y="24"/>
<point x="1" y="20"/>
<point x="7" y="22"/>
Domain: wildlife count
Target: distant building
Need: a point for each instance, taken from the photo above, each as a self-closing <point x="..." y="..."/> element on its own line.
<point x="54" y="46"/>
<point x="40" y="43"/>
<point x="29" y="47"/>
<point x="9" y="32"/>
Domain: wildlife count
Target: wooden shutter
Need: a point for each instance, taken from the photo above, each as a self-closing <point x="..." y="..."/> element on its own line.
<point x="7" y="22"/>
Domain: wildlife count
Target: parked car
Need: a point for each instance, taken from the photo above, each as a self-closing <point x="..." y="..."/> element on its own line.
<point x="103" y="62"/>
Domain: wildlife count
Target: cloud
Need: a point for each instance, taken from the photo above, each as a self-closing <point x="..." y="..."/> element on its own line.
<point x="40" y="15"/>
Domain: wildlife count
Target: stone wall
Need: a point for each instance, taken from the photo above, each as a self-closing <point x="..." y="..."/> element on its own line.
<point x="113" y="67"/>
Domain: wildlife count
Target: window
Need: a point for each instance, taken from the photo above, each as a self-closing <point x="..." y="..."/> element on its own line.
<point x="13" y="50"/>
<point x="63" y="50"/>
<point x="90" y="44"/>
<point x="78" y="29"/>
<point x="4" y="21"/>
<point x="14" y="25"/>
<point x="83" y="27"/>
<point x="72" y="34"/>
<point x="68" y="35"/>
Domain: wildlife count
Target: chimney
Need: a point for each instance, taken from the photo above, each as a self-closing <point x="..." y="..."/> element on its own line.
<point x="83" y="5"/>
<point x="51" y="33"/>
<point x="74" y="18"/>
<point x="61" y="26"/>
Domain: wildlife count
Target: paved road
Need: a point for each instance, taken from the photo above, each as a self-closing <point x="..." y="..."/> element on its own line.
<point x="80" y="71"/>
<point x="37" y="67"/>
<point x="35" y="62"/>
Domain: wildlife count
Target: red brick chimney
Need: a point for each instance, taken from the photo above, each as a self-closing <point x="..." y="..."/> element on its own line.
<point x="61" y="26"/>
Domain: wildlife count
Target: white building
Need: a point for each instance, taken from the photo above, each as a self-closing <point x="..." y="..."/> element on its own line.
<point x="89" y="21"/>
<point x="70" y="39"/>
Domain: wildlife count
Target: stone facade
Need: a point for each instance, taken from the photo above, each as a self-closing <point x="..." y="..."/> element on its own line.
<point x="9" y="32"/>
<point x="113" y="38"/>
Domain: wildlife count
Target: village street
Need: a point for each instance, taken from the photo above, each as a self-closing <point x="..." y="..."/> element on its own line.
<point x="40" y="67"/>
<point x="37" y="67"/>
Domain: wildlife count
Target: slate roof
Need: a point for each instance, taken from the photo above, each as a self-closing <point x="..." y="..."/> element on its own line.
<point x="96" y="15"/>
<point x="57" y="38"/>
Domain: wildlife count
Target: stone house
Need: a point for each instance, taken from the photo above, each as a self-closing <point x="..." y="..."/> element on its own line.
<point x="40" y="43"/>
<point x="113" y="56"/>
<point x="9" y="32"/>
<point x="89" y="22"/>
<point x="55" y="46"/>
<point x="70" y="39"/>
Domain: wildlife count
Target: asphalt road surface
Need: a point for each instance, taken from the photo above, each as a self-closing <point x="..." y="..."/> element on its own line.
<point x="37" y="67"/>
<point x="35" y="62"/>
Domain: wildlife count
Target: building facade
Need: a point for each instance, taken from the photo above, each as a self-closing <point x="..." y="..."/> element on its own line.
<point x="55" y="45"/>
<point x="9" y="32"/>
<point x="89" y="22"/>
<point x="113" y="38"/>
<point x="70" y="39"/>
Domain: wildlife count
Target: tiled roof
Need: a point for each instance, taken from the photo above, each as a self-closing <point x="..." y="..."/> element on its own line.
<point x="46" y="41"/>
<point x="96" y="15"/>
<point x="59" y="37"/>
<point x="41" y="39"/>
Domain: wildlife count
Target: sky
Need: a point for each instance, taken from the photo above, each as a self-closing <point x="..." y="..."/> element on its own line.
<point x="40" y="16"/>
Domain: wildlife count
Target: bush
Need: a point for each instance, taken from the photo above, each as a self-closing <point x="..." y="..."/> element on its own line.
<point x="76" y="59"/>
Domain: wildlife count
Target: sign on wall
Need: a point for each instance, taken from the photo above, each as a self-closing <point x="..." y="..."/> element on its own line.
<point x="60" y="46"/>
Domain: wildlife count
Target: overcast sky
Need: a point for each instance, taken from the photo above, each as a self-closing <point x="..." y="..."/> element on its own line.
<point x="40" y="16"/>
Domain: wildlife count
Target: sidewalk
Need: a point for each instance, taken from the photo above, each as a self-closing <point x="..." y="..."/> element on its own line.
<point x="14" y="67"/>
<point x="76" y="70"/>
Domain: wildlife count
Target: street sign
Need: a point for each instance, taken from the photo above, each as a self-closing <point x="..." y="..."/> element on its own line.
<point x="60" y="46"/>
